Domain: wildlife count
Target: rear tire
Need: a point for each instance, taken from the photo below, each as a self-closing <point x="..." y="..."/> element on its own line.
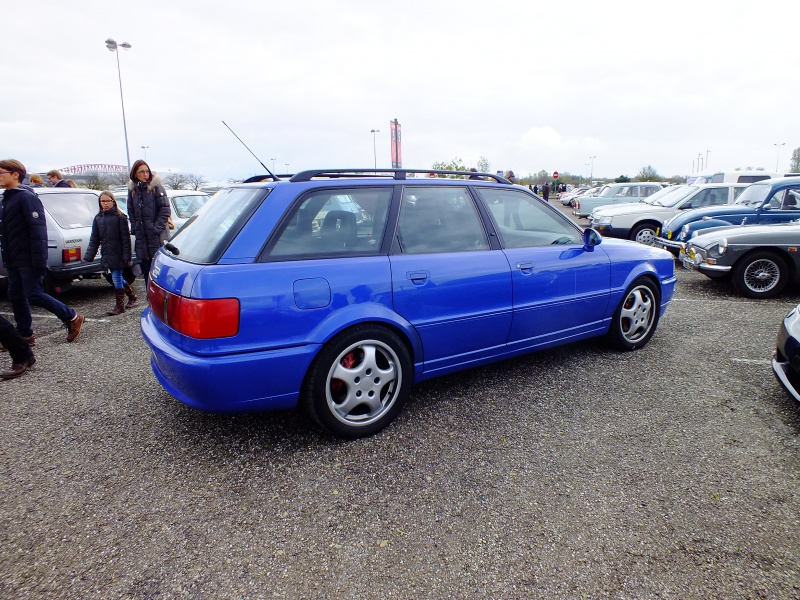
<point x="636" y="318"/>
<point x="359" y="382"/>
<point x="760" y="274"/>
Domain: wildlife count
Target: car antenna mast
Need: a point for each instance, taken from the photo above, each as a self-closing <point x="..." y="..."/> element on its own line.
<point x="250" y="151"/>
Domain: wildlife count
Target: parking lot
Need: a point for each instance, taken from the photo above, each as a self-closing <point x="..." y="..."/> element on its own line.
<point x="580" y="472"/>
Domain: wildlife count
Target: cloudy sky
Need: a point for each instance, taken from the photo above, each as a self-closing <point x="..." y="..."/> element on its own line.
<point x="529" y="85"/>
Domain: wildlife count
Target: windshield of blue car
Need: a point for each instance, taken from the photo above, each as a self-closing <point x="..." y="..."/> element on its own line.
<point x="71" y="211"/>
<point x="212" y="228"/>
<point x="753" y="195"/>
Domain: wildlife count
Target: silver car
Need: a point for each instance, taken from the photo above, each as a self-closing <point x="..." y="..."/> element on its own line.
<point x="69" y="213"/>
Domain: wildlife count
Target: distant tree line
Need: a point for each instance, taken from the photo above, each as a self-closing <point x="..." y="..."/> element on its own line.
<point x="96" y="180"/>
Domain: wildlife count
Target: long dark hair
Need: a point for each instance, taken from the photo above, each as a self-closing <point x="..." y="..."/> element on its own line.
<point x="135" y="167"/>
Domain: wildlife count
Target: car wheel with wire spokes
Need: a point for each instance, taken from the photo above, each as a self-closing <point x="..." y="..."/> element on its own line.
<point x="359" y="382"/>
<point x="760" y="275"/>
<point x="636" y="318"/>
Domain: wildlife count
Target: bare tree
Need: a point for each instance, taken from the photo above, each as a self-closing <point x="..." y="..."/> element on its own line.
<point x="196" y="181"/>
<point x="176" y="181"/>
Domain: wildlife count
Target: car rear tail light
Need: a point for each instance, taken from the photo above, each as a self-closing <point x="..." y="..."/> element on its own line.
<point x="193" y="317"/>
<point x="69" y="255"/>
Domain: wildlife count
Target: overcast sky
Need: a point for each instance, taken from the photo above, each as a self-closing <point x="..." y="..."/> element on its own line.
<point x="529" y="85"/>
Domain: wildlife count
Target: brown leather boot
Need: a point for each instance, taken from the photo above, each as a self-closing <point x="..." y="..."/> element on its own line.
<point x="131" y="296"/>
<point x="74" y="326"/>
<point x="119" y="307"/>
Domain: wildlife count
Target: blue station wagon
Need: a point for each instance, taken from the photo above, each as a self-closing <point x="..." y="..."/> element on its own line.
<point x="270" y="297"/>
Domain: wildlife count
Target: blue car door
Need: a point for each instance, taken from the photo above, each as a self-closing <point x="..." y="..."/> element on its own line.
<point x="561" y="290"/>
<point x="781" y="206"/>
<point x="447" y="281"/>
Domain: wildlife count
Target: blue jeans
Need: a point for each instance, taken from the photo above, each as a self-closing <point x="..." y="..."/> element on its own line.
<point x="118" y="279"/>
<point x="26" y="287"/>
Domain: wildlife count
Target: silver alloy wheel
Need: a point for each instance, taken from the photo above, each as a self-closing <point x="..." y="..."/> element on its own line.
<point x="646" y="236"/>
<point x="762" y="275"/>
<point x="363" y="383"/>
<point x="638" y="314"/>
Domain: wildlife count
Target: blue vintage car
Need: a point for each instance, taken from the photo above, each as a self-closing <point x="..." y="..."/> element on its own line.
<point x="253" y="307"/>
<point x="765" y="202"/>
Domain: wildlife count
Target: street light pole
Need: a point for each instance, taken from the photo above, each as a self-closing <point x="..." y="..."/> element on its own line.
<point x="707" y="151"/>
<point x="273" y="164"/>
<point x="592" y="175"/>
<point x="145" y="152"/>
<point x="287" y="168"/>
<point x="778" y="160"/>
<point x="374" y="150"/>
<point x="114" y="47"/>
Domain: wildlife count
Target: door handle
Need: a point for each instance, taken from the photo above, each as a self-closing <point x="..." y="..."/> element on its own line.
<point x="525" y="267"/>
<point x="418" y="277"/>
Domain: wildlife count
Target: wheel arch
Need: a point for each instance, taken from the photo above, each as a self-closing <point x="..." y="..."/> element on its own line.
<point x="779" y="252"/>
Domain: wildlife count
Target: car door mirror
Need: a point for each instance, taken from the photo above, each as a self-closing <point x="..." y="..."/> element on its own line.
<point x="591" y="239"/>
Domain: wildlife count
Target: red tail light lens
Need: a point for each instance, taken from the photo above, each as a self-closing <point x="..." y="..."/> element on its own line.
<point x="69" y="255"/>
<point x="196" y="318"/>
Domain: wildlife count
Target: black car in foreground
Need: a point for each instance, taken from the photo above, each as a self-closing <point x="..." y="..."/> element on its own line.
<point x="786" y="361"/>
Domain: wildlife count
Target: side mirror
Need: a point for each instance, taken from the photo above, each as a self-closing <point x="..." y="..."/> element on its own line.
<point x="591" y="239"/>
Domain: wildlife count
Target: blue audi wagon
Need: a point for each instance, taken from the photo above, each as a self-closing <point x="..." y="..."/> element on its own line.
<point x="337" y="290"/>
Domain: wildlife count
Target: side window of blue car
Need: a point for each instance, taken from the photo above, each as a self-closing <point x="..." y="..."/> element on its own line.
<point x="439" y="219"/>
<point x="525" y="222"/>
<point x="335" y="222"/>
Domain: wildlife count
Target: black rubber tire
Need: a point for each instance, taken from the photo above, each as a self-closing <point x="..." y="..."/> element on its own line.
<point x="760" y="274"/>
<point x="636" y="318"/>
<point x="646" y="231"/>
<point x="376" y="374"/>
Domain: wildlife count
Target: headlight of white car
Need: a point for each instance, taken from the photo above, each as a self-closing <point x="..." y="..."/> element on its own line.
<point x="600" y="220"/>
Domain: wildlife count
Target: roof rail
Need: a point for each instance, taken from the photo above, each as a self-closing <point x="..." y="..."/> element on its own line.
<point x="399" y="174"/>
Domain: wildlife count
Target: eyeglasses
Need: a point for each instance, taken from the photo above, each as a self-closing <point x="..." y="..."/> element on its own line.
<point x="142" y="172"/>
<point x="106" y="200"/>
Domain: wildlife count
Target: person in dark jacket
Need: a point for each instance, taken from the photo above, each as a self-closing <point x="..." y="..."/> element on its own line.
<point x="23" y="243"/>
<point x="110" y="230"/>
<point x="148" y="209"/>
<point x="21" y="356"/>
<point x="56" y="179"/>
<point x="546" y="191"/>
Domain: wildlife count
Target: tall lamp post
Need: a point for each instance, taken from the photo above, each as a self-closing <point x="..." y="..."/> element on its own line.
<point x="287" y="168"/>
<point x="273" y="164"/>
<point x="145" y="152"/>
<point x="778" y="160"/>
<point x="592" y="171"/>
<point x="114" y="47"/>
<point x="374" y="148"/>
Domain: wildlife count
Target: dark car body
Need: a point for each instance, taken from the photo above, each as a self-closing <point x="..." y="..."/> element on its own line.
<point x="786" y="360"/>
<point x="253" y="307"/>
<point x="760" y="260"/>
<point x="762" y="203"/>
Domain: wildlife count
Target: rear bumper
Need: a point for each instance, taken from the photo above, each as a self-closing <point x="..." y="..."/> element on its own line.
<point x="243" y="382"/>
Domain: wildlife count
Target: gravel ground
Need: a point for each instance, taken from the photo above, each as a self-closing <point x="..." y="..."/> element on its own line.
<point x="671" y="472"/>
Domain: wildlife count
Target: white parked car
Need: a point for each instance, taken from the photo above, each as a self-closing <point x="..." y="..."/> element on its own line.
<point x="182" y="203"/>
<point x="640" y="221"/>
<point x="616" y="193"/>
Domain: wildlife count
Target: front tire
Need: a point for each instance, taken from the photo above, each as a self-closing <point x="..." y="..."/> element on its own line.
<point x="359" y="382"/>
<point x="644" y="234"/>
<point x="636" y="318"/>
<point x="760" y="275"/>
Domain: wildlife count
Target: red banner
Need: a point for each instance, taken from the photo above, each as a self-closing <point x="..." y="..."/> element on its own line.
<point x="397" y="155"/>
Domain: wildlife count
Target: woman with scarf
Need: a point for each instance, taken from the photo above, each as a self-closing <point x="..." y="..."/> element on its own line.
<point x="148" y="210"/>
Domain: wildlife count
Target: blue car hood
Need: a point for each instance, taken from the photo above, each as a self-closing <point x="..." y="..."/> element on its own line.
<point x="713" y="212"/>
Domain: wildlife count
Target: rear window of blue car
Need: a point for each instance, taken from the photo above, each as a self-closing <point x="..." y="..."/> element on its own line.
<point x="214" y="226"/>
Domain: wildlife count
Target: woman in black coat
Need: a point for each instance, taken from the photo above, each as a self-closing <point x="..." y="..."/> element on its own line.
<point x="148" y="209"/>
<point x="111" y="232"/>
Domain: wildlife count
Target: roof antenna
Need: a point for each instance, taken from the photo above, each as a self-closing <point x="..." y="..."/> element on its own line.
<point x="251" y="152"/>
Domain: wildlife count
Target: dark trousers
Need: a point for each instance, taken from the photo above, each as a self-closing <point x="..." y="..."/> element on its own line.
<point x="12" y="340"/>
<point x="26" y="287"/>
